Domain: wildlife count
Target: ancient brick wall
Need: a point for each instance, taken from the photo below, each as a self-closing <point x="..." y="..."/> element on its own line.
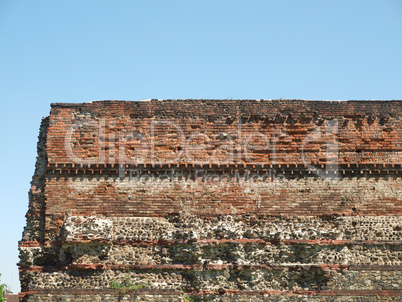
<point x="216" y="200"/>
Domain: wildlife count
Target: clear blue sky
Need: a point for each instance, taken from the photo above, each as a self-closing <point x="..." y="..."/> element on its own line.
<point x="79" y="51"/>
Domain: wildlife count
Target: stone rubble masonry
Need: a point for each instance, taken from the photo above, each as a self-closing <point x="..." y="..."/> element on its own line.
<point x="216" y="200"/>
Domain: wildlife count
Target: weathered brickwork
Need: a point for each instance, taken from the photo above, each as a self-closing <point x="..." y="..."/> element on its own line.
<point x="216" y="200"/>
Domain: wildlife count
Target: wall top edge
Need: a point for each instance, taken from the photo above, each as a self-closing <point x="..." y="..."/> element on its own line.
<point x="289" y="101"/>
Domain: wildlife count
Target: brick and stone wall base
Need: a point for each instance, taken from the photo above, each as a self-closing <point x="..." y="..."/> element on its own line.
<point x="238" y="257"/>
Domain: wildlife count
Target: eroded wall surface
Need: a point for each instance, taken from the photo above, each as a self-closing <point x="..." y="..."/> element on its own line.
<point x="216" y="200"/>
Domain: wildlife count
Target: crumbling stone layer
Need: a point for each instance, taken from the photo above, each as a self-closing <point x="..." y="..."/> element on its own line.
<point x="216" y="200"/>
<point x="237" y="278"/>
